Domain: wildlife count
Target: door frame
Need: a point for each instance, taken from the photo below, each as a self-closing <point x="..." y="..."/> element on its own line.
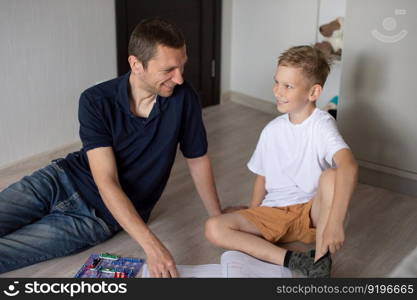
<point x="122" y="39"/>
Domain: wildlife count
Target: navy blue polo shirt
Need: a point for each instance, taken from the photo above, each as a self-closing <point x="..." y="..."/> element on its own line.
<point x="144" y="148"/>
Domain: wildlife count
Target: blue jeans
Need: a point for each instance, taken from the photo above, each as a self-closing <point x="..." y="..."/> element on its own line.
<point x="42" y="217"/>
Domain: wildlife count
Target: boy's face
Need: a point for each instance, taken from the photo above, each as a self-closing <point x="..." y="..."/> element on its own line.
<point x="292" y="90"/>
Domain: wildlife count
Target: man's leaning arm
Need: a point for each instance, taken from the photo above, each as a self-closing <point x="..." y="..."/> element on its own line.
<point x="202" y="174"/>
<point x="104" y="170"/>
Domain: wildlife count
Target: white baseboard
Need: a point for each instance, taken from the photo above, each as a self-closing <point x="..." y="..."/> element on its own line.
<point x="384" y="169"/>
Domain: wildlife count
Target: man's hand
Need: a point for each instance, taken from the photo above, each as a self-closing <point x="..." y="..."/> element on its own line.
<point x="160" y="262"/>
<point x="332" y="240"/>
<point x="231" y="209"/>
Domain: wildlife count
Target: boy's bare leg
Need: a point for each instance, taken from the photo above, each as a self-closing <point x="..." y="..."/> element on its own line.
<point x="235" y="232"/>
<point x="322" y="204"/>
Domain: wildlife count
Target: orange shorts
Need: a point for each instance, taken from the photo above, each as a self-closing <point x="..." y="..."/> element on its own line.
<point x="283" y="224"/>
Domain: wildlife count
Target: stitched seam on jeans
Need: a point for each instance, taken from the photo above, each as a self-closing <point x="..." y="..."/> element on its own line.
<point x="68" y="203"/>
<point x="103" y="224"/>
<point x="57" y="167"/>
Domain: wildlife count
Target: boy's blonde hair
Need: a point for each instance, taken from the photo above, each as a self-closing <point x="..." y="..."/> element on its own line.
<point x="311" y="60"/>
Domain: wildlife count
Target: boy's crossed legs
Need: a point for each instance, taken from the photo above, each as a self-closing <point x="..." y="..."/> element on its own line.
<point x="234" y="231"/>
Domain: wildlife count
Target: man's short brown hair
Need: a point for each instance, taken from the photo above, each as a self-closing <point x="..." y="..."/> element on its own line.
<point x="150" y="33"/>
<point x="311" y="60"/>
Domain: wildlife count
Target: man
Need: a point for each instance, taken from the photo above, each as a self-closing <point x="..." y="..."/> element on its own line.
<point x="130" y="128"/>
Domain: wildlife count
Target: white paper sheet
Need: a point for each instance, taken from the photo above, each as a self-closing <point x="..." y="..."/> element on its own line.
<point x="236" y="264"/>
<point x="193" y="271"/>
<point x="233" y="264"/>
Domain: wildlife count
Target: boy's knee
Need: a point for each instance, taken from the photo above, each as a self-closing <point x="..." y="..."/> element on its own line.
<point x="212" y="229"/>
<point x="216" y="228"/>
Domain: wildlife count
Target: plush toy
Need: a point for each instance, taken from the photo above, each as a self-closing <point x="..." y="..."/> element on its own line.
<point x="333" y="39"/>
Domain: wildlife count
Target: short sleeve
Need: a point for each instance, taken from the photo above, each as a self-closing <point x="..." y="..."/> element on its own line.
<point x="93" y="132"/>
<point x="332" y="140"/>
<point x="193" y="138"/>
<point x="255" y="163"/>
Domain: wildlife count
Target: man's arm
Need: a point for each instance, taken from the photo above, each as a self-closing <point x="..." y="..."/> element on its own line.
<point x="104" y="169"/>
<point x="346" y="178"/>
<point x="202" y="174"/>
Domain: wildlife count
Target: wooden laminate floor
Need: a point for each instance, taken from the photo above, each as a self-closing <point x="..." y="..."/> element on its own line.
<point x="381" y="229"/>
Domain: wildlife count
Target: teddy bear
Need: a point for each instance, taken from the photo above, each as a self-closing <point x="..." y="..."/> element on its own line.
<point x="333" y="39"/>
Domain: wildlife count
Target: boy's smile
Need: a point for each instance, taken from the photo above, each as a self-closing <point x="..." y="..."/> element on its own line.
<point x="293" y="93"/>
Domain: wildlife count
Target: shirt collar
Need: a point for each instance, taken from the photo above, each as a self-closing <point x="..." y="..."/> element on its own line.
<point x="123" y="95"/>
<point x="123" y="99"/>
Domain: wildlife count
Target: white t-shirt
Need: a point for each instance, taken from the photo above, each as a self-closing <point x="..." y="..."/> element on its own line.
<point x="293" y="156"/>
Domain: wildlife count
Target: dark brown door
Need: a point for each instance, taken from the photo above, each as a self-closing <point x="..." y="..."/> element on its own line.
<point x="199" y="20"/>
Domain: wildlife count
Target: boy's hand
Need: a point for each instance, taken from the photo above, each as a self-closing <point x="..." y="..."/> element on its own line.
<point x="231" y="209"/>
<point x="332" y="240"/>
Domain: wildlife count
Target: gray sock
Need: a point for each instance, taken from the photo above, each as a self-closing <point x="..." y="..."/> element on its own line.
<point x="304" y="262"/>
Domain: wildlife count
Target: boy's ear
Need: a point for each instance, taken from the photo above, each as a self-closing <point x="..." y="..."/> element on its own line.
<point x="315" y="92"/>
<point x="135" y="65"/>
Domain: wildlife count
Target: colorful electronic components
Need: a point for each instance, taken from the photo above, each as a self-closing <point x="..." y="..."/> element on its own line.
<point x="109" y="256"/>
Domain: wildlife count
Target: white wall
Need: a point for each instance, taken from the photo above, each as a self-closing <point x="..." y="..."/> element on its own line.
<point x="378" y="111"/>
<point x="50" y="51"/>
<point x="261" y="30"/>
<point x="330" y="10"/>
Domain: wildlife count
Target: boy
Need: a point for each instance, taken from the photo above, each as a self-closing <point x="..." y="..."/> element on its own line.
<point x="306" y="175"/>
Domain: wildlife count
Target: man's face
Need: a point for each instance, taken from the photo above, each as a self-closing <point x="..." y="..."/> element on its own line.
<point x="291" y="89"/>
<point x="164" y="71"/>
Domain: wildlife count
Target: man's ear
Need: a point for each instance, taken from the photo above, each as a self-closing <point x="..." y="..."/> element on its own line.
<point x="315" y="92"/>
<point x="135" y="65"/>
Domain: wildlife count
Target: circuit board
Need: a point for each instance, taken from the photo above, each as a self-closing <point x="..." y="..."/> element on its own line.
<point x="110" y="266"/>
